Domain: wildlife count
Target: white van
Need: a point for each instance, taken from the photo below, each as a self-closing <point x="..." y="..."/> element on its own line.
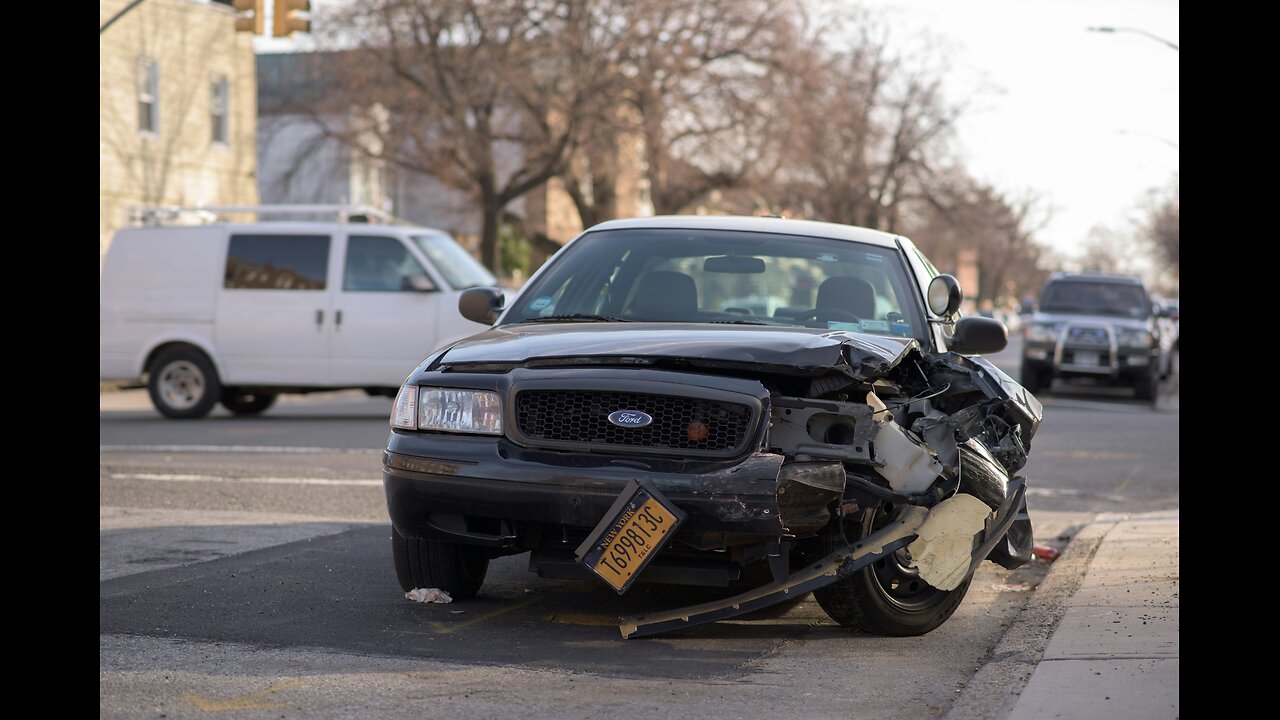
<point x="238" y="313"/>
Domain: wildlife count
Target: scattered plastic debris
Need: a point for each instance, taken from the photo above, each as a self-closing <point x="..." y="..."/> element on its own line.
<point x="1045" y="552"/>
<point x="1013" y="587"/>
<point x="430" y="595"/>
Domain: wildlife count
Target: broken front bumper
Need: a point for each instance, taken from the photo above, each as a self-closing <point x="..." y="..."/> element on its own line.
<point x="481" y="491"/>
<point x="840" y="564"/>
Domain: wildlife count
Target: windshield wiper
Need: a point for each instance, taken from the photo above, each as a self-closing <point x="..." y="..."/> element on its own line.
<point x="576" y="317"/>
<point x="737" y="322"/>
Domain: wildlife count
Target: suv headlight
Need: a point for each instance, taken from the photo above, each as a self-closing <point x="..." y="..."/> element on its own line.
<point x="448" y="410"/>
<point x="1134" y="338"/>
<point x="1042" y="332"/>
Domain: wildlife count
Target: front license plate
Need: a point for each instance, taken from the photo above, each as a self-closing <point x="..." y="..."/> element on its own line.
<point x="1086" y="358"/>
<point x="630" y="535"/>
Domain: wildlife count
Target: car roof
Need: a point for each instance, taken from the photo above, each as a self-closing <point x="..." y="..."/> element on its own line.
<point x="1098" y="277"/>
<point x="743" y="223"/>
<point x="291" y="226"/>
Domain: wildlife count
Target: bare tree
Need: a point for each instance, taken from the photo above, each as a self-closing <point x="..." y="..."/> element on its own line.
<point x="1161" y="226"/>
<point x="863" y="127"/>
<point x="961" y="213"/>
<point x="491" y="98"/>
<point x="689" y="86"/>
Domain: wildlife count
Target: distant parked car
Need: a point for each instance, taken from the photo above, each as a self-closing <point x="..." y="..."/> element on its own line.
<point x="1100" y="326"/>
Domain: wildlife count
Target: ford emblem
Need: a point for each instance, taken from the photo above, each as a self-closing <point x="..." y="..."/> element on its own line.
<point x="630" y="418"/>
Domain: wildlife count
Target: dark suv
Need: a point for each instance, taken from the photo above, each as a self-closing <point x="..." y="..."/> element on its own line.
<point x="630" y="418"/>
<point x="1099" y="326"/>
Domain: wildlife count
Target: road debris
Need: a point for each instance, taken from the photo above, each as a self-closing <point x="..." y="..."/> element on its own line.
<point x="429" y="595"/>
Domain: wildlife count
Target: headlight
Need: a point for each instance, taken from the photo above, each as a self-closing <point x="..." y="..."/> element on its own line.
<point x="447" y="409"/>
<point x="1042" y="332"/>
<point x="467" y="411"/>
<point x="1135" y="338"/>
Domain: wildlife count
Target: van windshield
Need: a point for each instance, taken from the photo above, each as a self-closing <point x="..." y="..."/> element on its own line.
<point x="460" y="270"/>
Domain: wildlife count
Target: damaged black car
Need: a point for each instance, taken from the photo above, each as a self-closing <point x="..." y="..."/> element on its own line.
<point x="697" y="400"/>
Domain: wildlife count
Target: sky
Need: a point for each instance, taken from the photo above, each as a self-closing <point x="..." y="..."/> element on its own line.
<point x="1086" y="121"/>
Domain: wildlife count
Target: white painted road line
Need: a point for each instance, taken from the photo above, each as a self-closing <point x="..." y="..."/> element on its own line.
<point x="273" y="449"/>
<point x="180" y="477"/>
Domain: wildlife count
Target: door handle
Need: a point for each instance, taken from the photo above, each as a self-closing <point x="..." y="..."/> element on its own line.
<point x="337" y="319"/>
<point x="319" y="320"/>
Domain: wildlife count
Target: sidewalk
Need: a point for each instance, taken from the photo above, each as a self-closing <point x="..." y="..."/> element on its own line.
<point x="1115" y="651"/>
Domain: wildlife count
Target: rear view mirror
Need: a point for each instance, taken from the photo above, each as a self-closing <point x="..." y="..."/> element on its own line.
<point x="733" y="264"/>
<point x="417" y="283"/>
<point x="945" y="295"/>
<point x="977" y="335"/>
<point x="482" y="305"/>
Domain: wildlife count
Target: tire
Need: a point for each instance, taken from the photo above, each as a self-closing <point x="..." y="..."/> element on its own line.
<point x="1034" y="379"/>
<point x="247" y="403"/>
<point x="1147" y="386"/>
<point x="886" y="597"/>
<point x="183" y="384"/>
<point x="421" y="563"/>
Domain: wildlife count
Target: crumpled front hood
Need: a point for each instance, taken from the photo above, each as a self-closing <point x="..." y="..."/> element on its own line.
<point x="792" y="350"/>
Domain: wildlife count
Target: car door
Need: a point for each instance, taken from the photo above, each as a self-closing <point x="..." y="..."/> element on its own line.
<point x="386" y="309"/>
<point x="272" y="320"/>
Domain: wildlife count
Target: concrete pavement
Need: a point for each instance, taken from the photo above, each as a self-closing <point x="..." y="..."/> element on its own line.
<point x="1113" y="596"/>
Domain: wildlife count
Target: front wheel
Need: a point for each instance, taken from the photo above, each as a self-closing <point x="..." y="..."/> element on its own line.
<point x="421" y="563"/>
<point x="887" y="597"/>
<point x="1147" y="386"/>
<point x="1034" y="379"/>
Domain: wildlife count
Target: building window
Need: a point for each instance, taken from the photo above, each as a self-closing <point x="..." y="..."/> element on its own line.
<point x="148" y="96"/>
<point x="218" y="109"/>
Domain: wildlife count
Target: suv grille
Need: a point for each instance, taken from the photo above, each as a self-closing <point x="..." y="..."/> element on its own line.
<point x="581" y="418"/>
<point x="1088" y="336"/>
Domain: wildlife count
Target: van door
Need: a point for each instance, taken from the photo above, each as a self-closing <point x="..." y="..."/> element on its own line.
<point x="273" y="319"/>
<point x="384" y="311"/>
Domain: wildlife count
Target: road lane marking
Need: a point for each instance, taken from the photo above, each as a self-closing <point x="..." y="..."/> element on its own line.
<point x="183" y="477"/>
<point x="1125" y="484"/>
<point x="274" y="449"/>
<point x="1090" y="454"/>
<point x="450" y="628"/>
<point x="251" y="701"/>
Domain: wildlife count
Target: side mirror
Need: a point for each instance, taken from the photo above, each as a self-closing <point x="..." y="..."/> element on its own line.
<point x="977" y="335"/>
<point x="945" y="295"/>
<point x="417" y="283"/>
<point x="481" y="305"/>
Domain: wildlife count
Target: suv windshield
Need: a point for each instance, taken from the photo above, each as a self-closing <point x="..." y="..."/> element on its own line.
<point x="720" y="276"/>
<point x="460" y="270"/>
<point x="1095" y="298"/>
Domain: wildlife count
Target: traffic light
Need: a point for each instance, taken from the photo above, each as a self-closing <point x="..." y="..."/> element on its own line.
<point x="285" y="22"/>
<point x="255" y="21"/>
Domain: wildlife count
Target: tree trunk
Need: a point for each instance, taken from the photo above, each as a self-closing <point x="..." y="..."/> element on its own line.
<point x="490" y="212"/>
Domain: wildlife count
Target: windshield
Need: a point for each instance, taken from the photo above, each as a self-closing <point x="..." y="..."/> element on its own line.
<point x="720" y="276"/>
<point x="460" y="270"/>
<point x="1095" y="298"/>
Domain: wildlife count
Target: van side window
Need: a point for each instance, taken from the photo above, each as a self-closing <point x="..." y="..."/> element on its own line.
<point x="382" y="264"/>
<point x="277" y="262"/>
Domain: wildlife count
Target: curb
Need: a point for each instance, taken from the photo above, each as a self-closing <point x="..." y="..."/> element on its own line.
<point x="994" y="689"/>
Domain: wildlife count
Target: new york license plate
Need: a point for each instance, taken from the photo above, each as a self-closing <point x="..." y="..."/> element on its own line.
<point x="630" y="535"/>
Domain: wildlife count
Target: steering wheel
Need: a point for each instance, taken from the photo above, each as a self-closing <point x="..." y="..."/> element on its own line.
<point x="828" y="313"/>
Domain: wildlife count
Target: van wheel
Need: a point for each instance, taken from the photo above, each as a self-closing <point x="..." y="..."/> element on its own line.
<point x="183" y="384"/>
<point x="247" y="403"/>
<point x="421" y="563"/>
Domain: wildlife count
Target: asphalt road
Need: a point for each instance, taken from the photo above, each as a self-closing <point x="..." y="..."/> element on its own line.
<point x="245" y="568"/>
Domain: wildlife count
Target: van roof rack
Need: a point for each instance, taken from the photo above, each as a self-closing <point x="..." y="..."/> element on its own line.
<point x="162" y="214"/>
